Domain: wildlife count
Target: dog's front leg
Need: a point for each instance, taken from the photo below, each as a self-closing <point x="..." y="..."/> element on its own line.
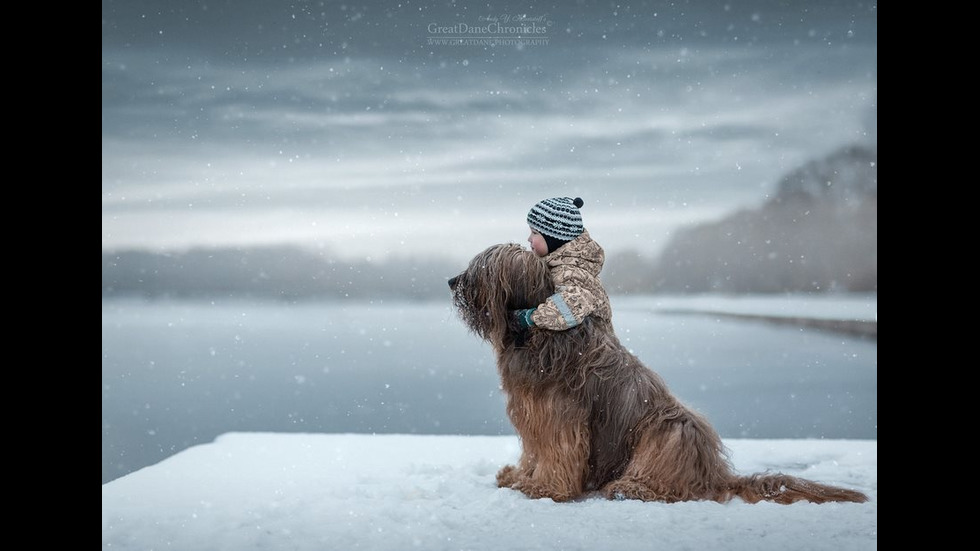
<point x="560" y="474"/>
<point x="557" y="454"/>
<point x="510" y="476"/>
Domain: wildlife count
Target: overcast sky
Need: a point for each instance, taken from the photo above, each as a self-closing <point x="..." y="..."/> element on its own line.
<point x="357" y="128"/>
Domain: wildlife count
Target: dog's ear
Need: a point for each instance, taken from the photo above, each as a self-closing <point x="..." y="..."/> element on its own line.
<point x="501" y="292"/>
<point x="530" y="282"/>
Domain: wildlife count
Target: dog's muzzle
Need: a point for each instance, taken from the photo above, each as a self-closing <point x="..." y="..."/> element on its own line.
<point x="452" y="283"/>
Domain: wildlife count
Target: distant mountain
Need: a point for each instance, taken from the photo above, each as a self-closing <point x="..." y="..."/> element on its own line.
<point x="819" y="232"/>
<point x="280" y="272"/>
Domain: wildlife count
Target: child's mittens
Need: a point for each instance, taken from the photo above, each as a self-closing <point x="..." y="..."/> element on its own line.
<point x="524" y="320"/>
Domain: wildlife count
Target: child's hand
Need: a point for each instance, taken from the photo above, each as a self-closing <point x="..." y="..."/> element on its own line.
<point x="524" y="318"/>
<point x="519" y="325"/>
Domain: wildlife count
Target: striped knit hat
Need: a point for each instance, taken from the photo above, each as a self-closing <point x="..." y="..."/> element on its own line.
<point x="557" y="219"/>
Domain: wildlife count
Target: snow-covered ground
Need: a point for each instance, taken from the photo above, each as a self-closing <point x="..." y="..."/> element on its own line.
<point x="398" y="492"/>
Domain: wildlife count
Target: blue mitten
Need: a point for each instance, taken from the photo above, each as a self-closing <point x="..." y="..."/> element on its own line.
<point x="524" y="317"/>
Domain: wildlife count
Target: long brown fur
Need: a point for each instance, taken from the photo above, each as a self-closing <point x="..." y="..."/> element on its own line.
<point x="589" y="414"/>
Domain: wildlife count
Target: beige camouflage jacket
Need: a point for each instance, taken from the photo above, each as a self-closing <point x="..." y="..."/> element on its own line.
<point x="575" y="270"/>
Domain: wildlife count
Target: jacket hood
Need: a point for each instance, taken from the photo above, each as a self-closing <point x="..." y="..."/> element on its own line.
<point x="581" y="252"/>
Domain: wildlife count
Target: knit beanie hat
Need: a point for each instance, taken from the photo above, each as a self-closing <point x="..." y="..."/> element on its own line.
<point x="557" y="219"/>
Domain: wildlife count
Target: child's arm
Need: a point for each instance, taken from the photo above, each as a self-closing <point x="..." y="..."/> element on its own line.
<point x="563" y="310"/>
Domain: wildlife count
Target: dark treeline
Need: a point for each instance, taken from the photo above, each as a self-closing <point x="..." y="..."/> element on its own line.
<point x="818" y="233"/>
<point x="280" y="272"/>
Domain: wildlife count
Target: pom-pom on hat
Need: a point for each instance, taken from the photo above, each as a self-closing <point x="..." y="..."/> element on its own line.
<point x="557" y="219"/>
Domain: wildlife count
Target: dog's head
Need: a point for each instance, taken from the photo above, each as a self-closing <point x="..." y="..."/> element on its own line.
<point x="497" y="281"/>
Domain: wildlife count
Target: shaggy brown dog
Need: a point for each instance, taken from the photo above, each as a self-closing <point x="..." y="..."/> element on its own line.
<point x="589" y="414"/>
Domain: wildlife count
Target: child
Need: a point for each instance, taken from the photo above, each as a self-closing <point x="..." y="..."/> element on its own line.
<point x="557" y="234"/>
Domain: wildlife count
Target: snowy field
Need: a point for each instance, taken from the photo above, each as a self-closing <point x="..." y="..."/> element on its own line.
<point x="259" y="491"/>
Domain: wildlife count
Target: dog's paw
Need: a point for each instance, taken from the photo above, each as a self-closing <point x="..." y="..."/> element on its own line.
<point x="621" y="490"/>
<point x="535" y="490"/>
<point x="507" y="477"/>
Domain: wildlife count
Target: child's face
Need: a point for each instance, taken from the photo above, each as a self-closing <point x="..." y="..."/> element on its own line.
<point x="538" y="244"/>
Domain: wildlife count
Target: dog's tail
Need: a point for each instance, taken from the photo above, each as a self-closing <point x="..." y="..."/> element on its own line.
<point x="785" y="489"/>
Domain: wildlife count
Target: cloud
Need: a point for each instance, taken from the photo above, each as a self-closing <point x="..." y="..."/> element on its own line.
<point x="200" y="148"/>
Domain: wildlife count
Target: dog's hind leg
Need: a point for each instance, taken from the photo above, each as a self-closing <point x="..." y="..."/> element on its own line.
<point x="680" y="460"/>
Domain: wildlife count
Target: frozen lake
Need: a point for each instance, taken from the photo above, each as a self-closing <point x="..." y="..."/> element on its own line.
<point x="179" y="373"/>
